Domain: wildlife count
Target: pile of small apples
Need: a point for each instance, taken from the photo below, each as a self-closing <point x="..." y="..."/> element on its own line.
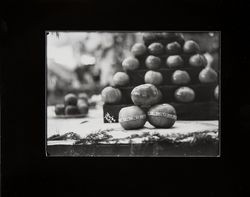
<point x="73" y="105"/>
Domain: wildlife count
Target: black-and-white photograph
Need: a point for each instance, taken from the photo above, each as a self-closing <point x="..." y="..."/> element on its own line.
<point x="133" y="94"/>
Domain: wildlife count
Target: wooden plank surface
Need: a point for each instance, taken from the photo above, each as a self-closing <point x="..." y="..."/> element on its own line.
<point x="93" y="123"/>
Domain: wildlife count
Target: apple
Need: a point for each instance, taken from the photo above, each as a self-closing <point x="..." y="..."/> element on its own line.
<point x="130" y="63"/>
<point x="120" y="79"/>
<point x="165" y="37"/>
<point x="70" y="99"/>
<point x="132" y="117"/>
<point x="180" y="38"/>
<point x="149" y="37"/>
<point x="82" y="101"/>
<point x="111" y="95"/>
<point x="168" y="36"/>
<point x="173" y="48"/>
<point x="153" y="62"/>
<point x="82" y="106"/>
<point x="184" y="94"/>
<point x="198" y="60"/>
<point x="180" y="77"/>
<point x="208" y="75"/>
<point x="59" y="109"/>
<point x="162" y="116"/>
<point x="83" y="96"/>
<point x="139" y="49"/>
<point x="71" y="110"/>
<point x="146" y="94"/>
<point x="153" y="77"/>
<point x="174" y="61"/>
<point x="191" y="47"/>
<point x="156" y="49"/>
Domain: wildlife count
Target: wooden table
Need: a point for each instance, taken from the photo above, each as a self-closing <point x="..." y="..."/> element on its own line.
<point x="89" y="136"/>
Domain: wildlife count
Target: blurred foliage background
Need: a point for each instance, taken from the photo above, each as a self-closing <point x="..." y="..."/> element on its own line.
<point x="86" y="61"/>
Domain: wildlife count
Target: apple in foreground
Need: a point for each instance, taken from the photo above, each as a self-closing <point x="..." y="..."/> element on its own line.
<point x="132" y="117"/>
<point x="184" y="94"/>
<point x="153" y="77"/>
<point x="180" y="77"/>
<point x="146" y="94"/>
<point x="208" y="75"/>
<point x="153" y="62"/>
<point x="162" y="116"/>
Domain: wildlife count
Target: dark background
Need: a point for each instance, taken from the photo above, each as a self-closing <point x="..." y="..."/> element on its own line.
<point x="25" y="170"/>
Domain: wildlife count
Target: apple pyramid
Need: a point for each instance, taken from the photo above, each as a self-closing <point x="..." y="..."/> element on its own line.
<point x="173" y="65"/>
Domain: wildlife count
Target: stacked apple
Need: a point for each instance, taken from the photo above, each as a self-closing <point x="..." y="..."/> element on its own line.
<point x="73" y="105"/>
<point x="173" y="65"/>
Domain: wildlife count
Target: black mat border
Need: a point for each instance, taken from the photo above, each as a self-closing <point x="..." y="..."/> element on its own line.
<point x="25" y="170"/>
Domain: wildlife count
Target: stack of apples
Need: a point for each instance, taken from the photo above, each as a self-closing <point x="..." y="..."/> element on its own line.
<point x="172" y="68"/>
<point x="73" y="105"/>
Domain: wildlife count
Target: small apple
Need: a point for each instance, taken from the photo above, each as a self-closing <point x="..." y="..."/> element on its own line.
<point x="111" y="95"/>
<point x="198" y="60"/>
<point x="59" y="109"/>
<point x="149" y="37"/>
<point x="181" y="77"/>
<point x="70" y="99"/>
<point x="153" y="62"/>
<point x="120" y="79"/>
<point x="132" y="117"/>
<point x="180" y="38"/>
<point x="185" y="94"/>
<point x="173" y="48"/>
<point x="208" y="75"/>
<point x="216" y="92"/>
<point x="165" y="37"/>
<point x="168" y="36"/>
<point x="156" y="49"/>
<point x="82" y="106"/>
<point x="139" y="49"/>
<point x="191" y="47"/>
<point x="153" y="77"/>
<point x="162" y="116"/>
<point x="83" y="96"/>
<point x="130" y="63"/>
<point x="174" y="61"/>
<point x="71" y="110"/>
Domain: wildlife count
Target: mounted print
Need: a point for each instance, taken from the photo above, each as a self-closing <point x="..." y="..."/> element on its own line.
<point x="133" y="94"/>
